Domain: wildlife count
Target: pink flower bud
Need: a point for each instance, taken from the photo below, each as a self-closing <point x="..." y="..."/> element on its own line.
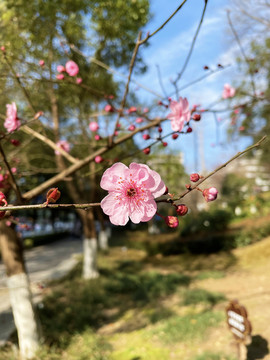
<point x="41" y="62"/>
<point x="174" y="136"/>
<point x="132" y="128"/>
<point x="116" y="133"/>
<point x="15" y="142"/>
<point x="3" y="48"/>
<point x="60" y="68"/>
<point x="194" y="177"/>
<point x="98" y="159"/>
<point x="145" y="110"/>
<point x="78" y="81"/>
<point x="13" y="170"/>
<point x="146" y="136"/>
<point x="60" y="77"/>
<point x="210" y="194"/>
<point x="181" y="209"/>
<point x="172" y="221"/>
<point x="97" y="137"/>
<point x="53" y="195"/>
<point x="109" y="108"/>
<point x="93" y="126"/>
<point x="132" y="109"/>
<point x="139" y="120"/>
<point x="147" y="151"/>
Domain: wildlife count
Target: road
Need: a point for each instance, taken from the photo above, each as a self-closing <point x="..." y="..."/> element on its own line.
<point x="46" y="262"/>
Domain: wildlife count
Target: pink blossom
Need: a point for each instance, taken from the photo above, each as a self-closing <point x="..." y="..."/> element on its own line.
<point x="132" y="127"/>
<point x="210" y="194"/>
<point x="97" y="137"/>
<point x="11" y="123"/>
<point x="78" y="80"/>
<point x="93" y="126"/>
<point x="98" y="159"/>
<point x="41" y="62"/>
<point x="131" y="193"/>
<point x="109" y="108"/>
<point x="63" y="144"/>
<point x="60" y="68"/>
<point x="172" y="221"/>
<point x="228" y="91"/>
<point x="13" y="170"/>
<point x="60" y="76"/>
<point x="72" y="68"/>
<point x="179" y="114"/>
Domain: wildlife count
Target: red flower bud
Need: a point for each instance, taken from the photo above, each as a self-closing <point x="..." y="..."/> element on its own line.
<point x="15" y="142"/>
<point x="160" y="129"/>
<point x="189" y="130"/>
<point x="196" y="117"/>
<point x="172" y="221"/>
<point x="53" y="195"/>
<point x="146" y="136"/>
<point x="132" y="128"/>
<point x="194" y="177"/>
<point x="174" y="136"/>
<point x="3" y="202"/>
<point x="181" y="209"/>
<point x="165" y="144"/>
<point x="147" y="151"/>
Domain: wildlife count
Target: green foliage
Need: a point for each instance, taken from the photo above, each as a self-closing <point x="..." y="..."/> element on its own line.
<point x="251" y="235"/>
<point x="210" y="274"/>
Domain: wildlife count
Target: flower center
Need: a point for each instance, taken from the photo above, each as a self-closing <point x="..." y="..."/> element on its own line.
<point x="131" y="192"/>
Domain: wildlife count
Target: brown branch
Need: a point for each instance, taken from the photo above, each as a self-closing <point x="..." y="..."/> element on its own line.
<point x="81" y="163"/>
<point x="49" y="142"/>
<point x="86" y="206"/>
<point x="13" y="180"/>
<point x="50" y="206"/>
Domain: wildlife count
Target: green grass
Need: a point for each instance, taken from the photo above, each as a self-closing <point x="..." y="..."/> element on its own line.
<point x="199" y="296"/>
<point x="213" y="356"/>
<point x="210" y="274"/>
<point x="189" y="327"/>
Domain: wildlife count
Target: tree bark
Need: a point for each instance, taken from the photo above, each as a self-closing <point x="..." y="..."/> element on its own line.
<point x="20" y="293"/>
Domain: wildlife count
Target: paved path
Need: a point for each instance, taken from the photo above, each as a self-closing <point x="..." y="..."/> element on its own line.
<point x="46" y="262"/>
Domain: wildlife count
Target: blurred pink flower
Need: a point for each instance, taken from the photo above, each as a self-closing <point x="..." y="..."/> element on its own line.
<point x="131" y="193"/>
<point x="78" y="80"/>
<point x="64" y="145"/>
<point x="11" y="123"/>
<point x="179" y="114"/>
<point x="98" y="159"/>
<point x="60" y="76"/>
<point x="228" y="91"/>
<point x="41" y="62"/>
<point x="60" y="68"/>
<point x="72" y="68"/>
<point x="93" y="126"/>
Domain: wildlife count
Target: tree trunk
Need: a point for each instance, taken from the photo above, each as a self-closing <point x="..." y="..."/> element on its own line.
<point x="89" y="245"/>
<point x="19" y="290"/>
<point x="103" y="235"/>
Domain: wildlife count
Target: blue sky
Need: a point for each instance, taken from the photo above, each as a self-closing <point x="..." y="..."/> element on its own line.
<point x="168" y="49"/>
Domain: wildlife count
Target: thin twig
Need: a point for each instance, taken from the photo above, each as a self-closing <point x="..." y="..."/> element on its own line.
<point x="148" y="36"/>
<point x="191" y="48"/>
<point x="50" y="206"/>
<point x="242" y="51"/>
<point x="215" y="171"/>
<point x="123" y="102"/>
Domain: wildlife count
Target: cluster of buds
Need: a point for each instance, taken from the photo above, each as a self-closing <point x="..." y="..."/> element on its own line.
<point x="3" y="202"/>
